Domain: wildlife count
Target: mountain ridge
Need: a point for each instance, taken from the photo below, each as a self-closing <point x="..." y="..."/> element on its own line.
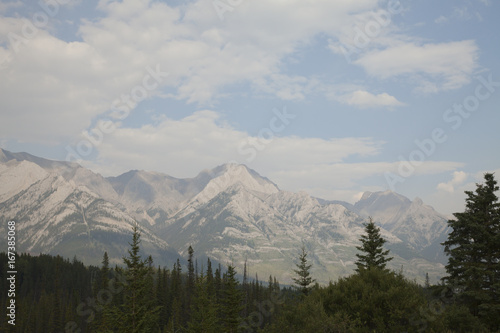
<point x="229" y="213"/>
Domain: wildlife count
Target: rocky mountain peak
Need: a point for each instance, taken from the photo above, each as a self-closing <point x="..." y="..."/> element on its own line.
<point x="417" y="202"/>
<point x="226" y="175"/>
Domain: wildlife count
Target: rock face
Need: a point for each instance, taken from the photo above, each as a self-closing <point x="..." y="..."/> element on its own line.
<point x="419" y="226"/>
<point x="229" y="213"/>
<point x="60" y="208"/>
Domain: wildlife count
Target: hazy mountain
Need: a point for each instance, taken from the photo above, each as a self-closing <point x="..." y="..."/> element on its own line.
<point x="418" y="225"/>
<point x="64" y="216"/>
<point x="266" y="227"/>
<point x="229" y="213"/>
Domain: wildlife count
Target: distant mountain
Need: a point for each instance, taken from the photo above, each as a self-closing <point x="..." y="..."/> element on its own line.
<point x="58" y="210"/>
<point x="418" y="225"/>
<point x="229" y="213"/>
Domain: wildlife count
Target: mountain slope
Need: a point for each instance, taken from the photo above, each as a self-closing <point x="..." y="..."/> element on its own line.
<point x="418" y="225"/>
<point x="229" y="213"/>
<point x="57" y="216"/>
<point x="267" y="229"/>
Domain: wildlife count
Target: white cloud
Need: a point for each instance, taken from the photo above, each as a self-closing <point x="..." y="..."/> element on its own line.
<point x="433" y="67"/>
<point x="48" y="87"/>
<point x="441" y="19"/>
<point x="72" y="83"/>
<point x="181" y="148"/>
<point x="459" y="178"/>
<point x="450" y="197"/>
<point x="460" y="14"/>
<point x="365" y="99"/>
<point x="4" y="6"/>
<point x="184" y="147"/>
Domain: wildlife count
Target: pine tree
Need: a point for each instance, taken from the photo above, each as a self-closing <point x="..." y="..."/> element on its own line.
<point x="232" y="302"/>
<point x="177" y="294"/>
<point x="218" y="282"/>
<point x="103" y="316"/>
<point x="303" y="271"/>
<point x="372" y="246"/>
<point x="104" y="273"/>
<point x="210" y="279"/>
<point x="203" y="310"/>
<point x="139" y="312"/>
<point x="190" y="278"/>
<point x="473" y="248"/>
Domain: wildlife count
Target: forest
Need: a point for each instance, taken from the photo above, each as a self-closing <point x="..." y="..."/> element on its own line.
<point x="54" y="294"/>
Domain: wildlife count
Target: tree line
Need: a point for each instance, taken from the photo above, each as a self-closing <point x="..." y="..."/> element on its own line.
<point x="58" y="295"/>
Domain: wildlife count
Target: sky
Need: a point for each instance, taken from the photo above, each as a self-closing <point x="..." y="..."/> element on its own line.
<point x="331" y="97"/>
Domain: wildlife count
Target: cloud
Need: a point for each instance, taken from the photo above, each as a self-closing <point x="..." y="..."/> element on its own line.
<point x="48" y="86"/>
<point x="459" y="178"/>
<point x="460" y="14"/>
<point x="433" y="67"/>
<point x="322" y="167"/>
<point x="72" y="83"/>
<point x="441" y="19"/>
<point x="5" y="6"/>
<point x="450" y="197"/>
<point x="365" y="99"/>
<point x="184" y="147"/>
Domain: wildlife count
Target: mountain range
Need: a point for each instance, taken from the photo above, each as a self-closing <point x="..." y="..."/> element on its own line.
<point x="229" y="213"/>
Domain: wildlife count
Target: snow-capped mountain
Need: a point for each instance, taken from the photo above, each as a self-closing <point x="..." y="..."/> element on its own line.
<point x="229" y="213"/>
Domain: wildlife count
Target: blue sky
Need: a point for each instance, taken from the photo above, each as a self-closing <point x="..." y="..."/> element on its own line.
<point x="330" y="97"/>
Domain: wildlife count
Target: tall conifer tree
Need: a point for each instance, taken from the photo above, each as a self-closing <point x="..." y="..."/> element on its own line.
<point x="303" y="271"/>
<point x="232" y="302"/>
<point x="139" y="312"/>
<point x="473" y="247"/>
<point x="372" y="248"/>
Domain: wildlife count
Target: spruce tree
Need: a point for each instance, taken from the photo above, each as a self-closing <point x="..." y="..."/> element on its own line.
<point x="303" y="271"/>
<point x="210" y="279"/>
<point x="139" y="312"/>
<point x="190" y="278"/>
<point x="373" y="254"/>
<point x="473" y="249"/>
<point x="103" y="317"/>
<point x="231" y="302"/>
<point x="203" y="310"/>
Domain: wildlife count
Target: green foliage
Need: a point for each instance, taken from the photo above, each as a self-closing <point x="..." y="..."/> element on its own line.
<point x="203" y="310"/>
<point x="303" y="316"/>
<point x="55" y="294"/>
<point x="473" y="248"/>
<point x="373" y="254"/>
<point x="48" y="292"/>
<point x="303" y="271"/>
<point x="231" y="302"/>
<point x="458" y="318"/>
<point x="374" y="300"/>
<point x="378" y="300"/>
<point x="138" y="313"/>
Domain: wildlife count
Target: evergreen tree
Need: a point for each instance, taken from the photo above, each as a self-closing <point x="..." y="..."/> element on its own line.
<point x="103" y="317"/>
<point x="177" y="292"/>
<point x="210" y="279"/>
<point x="191" y="275"/>
<point x="473" y="248"/>
<point x="139" y="312"/>
<point x="303" y="271"/>
<point x="203" y="310"/>
<point x="218" y="282"/>
<point x="104" y="273"/>
<point x="190" y="284"/>
<point x="372" y="244"/>
<point x="231" y="302"/>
